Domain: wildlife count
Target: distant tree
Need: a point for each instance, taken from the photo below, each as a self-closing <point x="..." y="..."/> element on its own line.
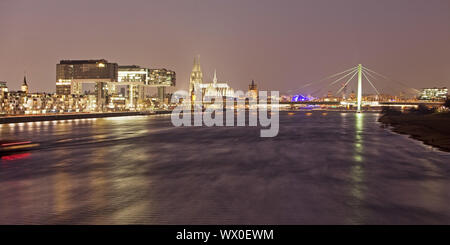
<point x="422" y="110"/>
<point x="447" y="103"/>
<point x="387" y="110"/>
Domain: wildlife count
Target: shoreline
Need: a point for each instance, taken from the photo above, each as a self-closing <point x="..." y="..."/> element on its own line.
<point x="71" y="116"/>
<point x="328" y="110"/>
<point x="432" y="129"/>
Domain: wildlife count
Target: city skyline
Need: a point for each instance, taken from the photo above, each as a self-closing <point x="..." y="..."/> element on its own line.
<point x="299" y="42"/>
<point x="182" y="117"/>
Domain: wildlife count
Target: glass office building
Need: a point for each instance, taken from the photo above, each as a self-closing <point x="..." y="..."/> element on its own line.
<point x="71" y="73"/>
<point x="133" y="74"/>
<point x="162" y="77"/>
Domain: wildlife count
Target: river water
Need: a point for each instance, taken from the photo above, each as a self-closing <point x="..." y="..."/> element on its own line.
<point x="338" y="168"/>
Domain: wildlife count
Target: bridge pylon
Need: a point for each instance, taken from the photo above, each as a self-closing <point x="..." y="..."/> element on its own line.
<point x="359" y="88"/>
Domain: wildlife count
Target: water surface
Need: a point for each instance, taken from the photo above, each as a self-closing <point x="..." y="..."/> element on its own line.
<point x="339" y="168"/>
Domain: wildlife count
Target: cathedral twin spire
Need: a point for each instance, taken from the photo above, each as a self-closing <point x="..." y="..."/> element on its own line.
<point x="197" y="67"/>
<point x="207" y="89"/>
<point x="197" y="75"/>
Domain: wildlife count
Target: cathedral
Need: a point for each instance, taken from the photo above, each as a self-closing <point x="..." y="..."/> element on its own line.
<point x="209" y="90"/>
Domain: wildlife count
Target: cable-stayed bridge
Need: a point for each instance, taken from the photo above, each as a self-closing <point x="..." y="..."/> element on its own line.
<point x="362" y="77"/>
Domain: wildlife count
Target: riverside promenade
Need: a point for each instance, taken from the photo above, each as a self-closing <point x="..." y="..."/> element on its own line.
<point x="70" y="116"/>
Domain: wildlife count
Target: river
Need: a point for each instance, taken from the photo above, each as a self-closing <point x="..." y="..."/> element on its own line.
<point x="334" y="168"/>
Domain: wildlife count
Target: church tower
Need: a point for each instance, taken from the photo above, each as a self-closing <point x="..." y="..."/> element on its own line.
<point x="253" y="90"/>
<point x="196" y="76"/>
<point x="215" y="78"/>
<point x="24" y="87"/>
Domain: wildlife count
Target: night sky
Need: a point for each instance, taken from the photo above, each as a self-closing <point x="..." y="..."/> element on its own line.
<point x="281" y="44"/>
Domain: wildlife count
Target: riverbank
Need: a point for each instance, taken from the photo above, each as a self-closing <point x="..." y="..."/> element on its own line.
<point x="71" y="116"/>
<point x="432" y="129"/>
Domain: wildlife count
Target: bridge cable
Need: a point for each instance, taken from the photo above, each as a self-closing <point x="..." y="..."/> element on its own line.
<point x="388" y="79"/>
<point x="375" y="73"/>
<point x="342" y="78"/>
<point x="376" y="90"/>
<point x="326" y="78"/>
<point x="373" y="77"/>
<point x="334" y="82"/>
<point x="345" y="84"/>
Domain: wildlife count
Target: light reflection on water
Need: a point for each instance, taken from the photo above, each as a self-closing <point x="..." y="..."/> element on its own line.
<point x="336" y="168"/>
<point x="357" y="170"/>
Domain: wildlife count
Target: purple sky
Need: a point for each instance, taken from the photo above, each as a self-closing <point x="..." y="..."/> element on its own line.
<point x="281" y="44"/>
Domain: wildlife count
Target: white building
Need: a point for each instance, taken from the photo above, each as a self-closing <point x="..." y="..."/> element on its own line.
<point x="433" y="94"/>
<point x="216" y="89"/>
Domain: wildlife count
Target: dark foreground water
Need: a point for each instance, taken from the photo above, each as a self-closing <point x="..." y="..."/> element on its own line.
<point x="321" y="169"/>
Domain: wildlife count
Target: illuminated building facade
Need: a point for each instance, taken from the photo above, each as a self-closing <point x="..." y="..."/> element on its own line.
<point x="133" y="73"/>
<point x="117" y="103"/>
<point x="3" y="91"/>
<point x="19" y="103"/>
<point x="71" y="74"/>
<point x="104" y="77"/>
<point x="433" y="94"/>
<point x="3" y="88"/>
<point x="162" y="78"/>
<point x="15" y="103"/>
<point x="134" y="78"/>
